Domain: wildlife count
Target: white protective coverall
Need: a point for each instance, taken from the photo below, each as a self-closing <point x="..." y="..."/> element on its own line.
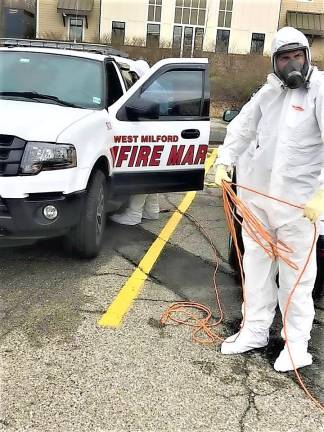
<point x="287" y="126"/>
<point x="142" y="205"/>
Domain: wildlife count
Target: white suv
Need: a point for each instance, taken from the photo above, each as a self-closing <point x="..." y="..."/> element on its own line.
<point x="74" y="132"/>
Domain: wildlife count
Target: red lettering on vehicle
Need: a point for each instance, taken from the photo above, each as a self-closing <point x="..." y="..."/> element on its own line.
<point x="123" y="155"/>
<point x="117" y="139"/>
<point x="175" y="155"/>
<point x="201" y="154"/>
<point x="159" y="138"/>
<point x="143" y="156"/>
<point x="188" y="159"/>
<point x="114" y="152"/>
<point x="156" y="156"/>
<point x="133" y="156"/>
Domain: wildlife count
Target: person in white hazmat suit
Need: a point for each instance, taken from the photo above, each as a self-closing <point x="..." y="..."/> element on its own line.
<point x="142" y="205"/>
<point x="285" y="120"/>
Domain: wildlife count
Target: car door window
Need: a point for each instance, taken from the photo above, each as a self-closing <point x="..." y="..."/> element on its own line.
<point x="177" y="92"/>
<point x="174" y="93"/>
<point x="115" y="90"/>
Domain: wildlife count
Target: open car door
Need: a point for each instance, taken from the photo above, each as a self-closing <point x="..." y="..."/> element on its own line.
<point x="161" y="129"/>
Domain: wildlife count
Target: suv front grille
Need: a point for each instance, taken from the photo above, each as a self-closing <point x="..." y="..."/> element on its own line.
<point x="11" y="152"/>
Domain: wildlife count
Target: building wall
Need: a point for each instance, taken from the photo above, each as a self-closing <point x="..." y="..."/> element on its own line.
<point x="167" y="22"/>
<point x="18" y="23"/>
<point x="92" y="32"/>
<point x="249" y="16"/>
<point x="314" y="6"/>
<point x="17" y="18"/>
<point x="50" y="22"/>
<point x="253" y="16"/>
<point x="28" y="5"/>
<point x="135" y="18"/>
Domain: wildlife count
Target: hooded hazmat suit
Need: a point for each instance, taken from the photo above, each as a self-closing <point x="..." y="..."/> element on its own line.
<point x="287" y="127"/>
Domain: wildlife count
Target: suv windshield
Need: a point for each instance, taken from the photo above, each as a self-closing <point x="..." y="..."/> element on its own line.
<point x="68" y="80"/>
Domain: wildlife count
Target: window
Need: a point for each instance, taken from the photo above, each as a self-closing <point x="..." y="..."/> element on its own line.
<point x="115" y="90"/>
<point x="177" y="37"/>
<point x="153" y="35"/>
<point x="174" y="96"/>
<point x="76" y="29"/>
<point x="191" y="15"/>
<point x="199" y="38"/>
<point x="222" y="41"/>
<point x="76" y="80"/>
<point x="154" y="10"/>
<point x="118" y="33"/>
<point x="257" y="43"/>
<point x="187" y="41"/>
<point x="190" y="12"/>
<point x="225" y="13"/>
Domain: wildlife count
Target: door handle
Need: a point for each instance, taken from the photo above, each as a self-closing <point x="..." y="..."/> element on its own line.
<point x="190" y="133"/>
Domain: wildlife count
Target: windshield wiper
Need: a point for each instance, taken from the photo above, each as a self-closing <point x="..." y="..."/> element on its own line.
<point x="35" y="95"/>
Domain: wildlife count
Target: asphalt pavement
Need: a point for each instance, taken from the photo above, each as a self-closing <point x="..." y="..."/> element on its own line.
<point x="61" y="371"/>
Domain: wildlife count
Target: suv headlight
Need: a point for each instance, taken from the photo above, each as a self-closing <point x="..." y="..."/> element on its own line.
<point x="40" y="156"/>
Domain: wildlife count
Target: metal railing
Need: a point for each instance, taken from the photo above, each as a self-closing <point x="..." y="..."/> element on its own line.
<point x="75" y="46"/>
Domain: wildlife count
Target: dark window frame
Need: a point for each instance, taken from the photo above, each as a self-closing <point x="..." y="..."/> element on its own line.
<point x="122" y="28"/>
<point x="151" y="40"/>
<point x="257" y="43"/>
<point x="74" y="26"/>
<point x="173" y="38"/>
<point x="218" y="47"/>
<point x="197" y="30"/>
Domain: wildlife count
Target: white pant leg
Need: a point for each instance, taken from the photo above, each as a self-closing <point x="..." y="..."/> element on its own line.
<point x="151" y="206"/>
<point x="261" y="291"/>
<point x="299" y="236"/>
<point x="132" y="215"/>
<point x="137" y="202"/>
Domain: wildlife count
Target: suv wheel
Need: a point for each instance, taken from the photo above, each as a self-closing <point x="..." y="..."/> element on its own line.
<point x="87" y="236"/>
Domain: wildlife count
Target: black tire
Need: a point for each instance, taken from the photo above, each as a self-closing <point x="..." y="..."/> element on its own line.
<point x="87" y="236"/>
<point x="318" y="291"/>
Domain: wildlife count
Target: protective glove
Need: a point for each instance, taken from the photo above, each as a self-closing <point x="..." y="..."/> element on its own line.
<point x="222" y="174"/>
<point x="315" y="207"/>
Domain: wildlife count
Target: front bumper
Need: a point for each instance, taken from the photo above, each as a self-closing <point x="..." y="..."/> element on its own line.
<point x="22" y="220"/>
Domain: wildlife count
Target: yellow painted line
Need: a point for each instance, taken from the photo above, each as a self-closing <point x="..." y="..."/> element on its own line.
<point x="128" y="293"/>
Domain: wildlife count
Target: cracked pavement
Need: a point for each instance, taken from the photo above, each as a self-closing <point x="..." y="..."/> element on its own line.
<point x="61" y="372"/>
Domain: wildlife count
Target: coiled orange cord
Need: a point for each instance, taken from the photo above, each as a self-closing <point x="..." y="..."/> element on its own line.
<point x="275" y="250"/>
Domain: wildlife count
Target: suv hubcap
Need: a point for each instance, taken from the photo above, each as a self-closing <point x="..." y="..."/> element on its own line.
<point x="100" y="213"/>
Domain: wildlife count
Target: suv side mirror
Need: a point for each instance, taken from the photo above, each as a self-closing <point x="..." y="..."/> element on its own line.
<point x="142" y="109"/>
<point x="229" y="115"/>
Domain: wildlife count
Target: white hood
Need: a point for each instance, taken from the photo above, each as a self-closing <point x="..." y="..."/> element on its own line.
<point x="289" y="35"/>
<point x="34" y="121"/>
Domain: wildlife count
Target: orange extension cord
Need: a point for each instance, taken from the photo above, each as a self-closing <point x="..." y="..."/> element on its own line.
<point x="275" y="250"/>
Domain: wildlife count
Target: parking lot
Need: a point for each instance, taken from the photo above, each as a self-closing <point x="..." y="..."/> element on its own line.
<point x="62" y="371"/>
